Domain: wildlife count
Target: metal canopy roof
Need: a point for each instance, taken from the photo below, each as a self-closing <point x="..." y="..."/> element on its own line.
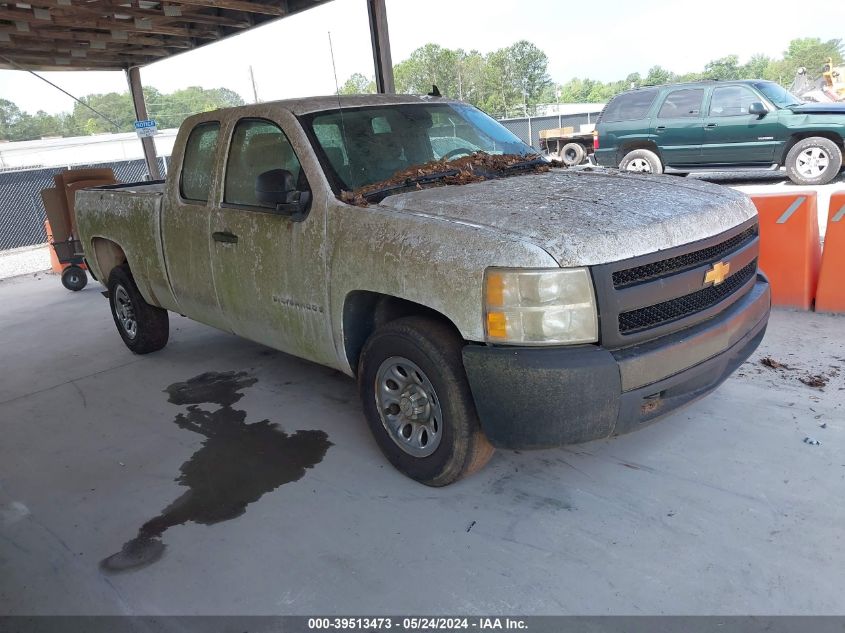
<point x="121" y="34"/>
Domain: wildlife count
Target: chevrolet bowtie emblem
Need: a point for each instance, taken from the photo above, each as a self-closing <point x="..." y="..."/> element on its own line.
<point x="717" y="274"/>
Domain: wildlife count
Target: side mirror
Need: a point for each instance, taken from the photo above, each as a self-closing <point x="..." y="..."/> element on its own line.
<point x="758" y="109"/>
<point x="277" y="189"/>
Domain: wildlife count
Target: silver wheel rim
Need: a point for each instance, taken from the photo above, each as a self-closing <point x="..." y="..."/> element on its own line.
<point x="125" y="311"/>
<point x="638" y="164"/>
<point x="812" y="162"/>
<point x="408" y="406"/>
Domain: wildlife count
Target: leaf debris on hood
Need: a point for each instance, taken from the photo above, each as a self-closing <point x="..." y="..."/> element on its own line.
<point x="473" y="168"/>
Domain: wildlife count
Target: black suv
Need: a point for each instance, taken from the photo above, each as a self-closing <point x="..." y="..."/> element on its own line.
<point x="720" y="126"/>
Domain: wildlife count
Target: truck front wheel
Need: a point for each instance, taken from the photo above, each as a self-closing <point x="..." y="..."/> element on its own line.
<point x="143" y="327"/>
<point x="813" y="161"/>
<point x="418" y="403"/>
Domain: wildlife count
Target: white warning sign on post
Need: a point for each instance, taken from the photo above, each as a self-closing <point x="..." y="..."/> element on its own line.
<point x="146" y="128"/>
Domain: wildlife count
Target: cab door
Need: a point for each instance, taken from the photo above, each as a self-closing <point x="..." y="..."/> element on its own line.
<point x="677" y="128"/>
<point x="732" y="136"/>
<point x="185" y="222"/>
<point x="269" y="269"/>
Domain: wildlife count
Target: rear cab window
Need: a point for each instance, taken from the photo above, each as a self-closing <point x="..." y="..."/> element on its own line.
<point x="629" y="106"/>
<point x="682" y="104"/>
<point x="198" y="162"/>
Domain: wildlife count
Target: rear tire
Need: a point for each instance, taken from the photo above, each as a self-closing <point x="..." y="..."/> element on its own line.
<point x="572" y="154"/>
<point x="418" y="403"/>
<point x="813" y="161"/>
<point x="144" y="328"/>
<point x="74" y="278"/>
<point x="642" y="161"/>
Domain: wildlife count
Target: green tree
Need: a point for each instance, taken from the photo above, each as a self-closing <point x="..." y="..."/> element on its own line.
<point x="430" y="65"/>
<point x="757" y="67"/>
<point x="658" y="75"/>
<point x="10" y="119"/>
<point x="724" y="68"/>
<point x="170" y="110"/>
<point x="114" y="105"/>
<point x="357" y="84"/>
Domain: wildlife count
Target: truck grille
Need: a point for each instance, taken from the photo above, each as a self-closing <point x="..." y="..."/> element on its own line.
<point x="674" y="309"/>
<point x="646" y="297"/>
<point x="646" y="272"/>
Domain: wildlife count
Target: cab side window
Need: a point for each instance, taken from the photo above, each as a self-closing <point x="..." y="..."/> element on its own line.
<point x="682" y="104"/>
<point x="198" y="163"/>
<point x="257" y="146"/>
<point x="731" y="101"/>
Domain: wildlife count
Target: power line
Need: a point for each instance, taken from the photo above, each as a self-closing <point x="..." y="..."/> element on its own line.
<point x="79" y="101"/>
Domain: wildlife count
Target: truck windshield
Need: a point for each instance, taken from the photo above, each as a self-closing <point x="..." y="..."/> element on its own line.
<point x="781" y="97"/>
<point x="363" y="146"/>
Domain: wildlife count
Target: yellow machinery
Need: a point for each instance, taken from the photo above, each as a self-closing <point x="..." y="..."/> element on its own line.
<point x="834" y="80"/>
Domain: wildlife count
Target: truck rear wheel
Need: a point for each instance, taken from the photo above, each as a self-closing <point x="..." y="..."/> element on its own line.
<point x="813" y="161"/>
<point x="642" y="160"/>
<point x="143" y="328"/>
<point x="418" y="403"/>
<point x="572" y="154"/>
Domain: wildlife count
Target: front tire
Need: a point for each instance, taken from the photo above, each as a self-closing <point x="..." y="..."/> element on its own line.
<point x="642" y="161"/>
<point x="418" y="403"/>
<point x="813" y="161"/>
<point x="144" y="328"/>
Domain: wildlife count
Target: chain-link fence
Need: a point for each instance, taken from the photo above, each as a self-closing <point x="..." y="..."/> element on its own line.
<point x="21" y="210"/>
<point x="528" y="128"/>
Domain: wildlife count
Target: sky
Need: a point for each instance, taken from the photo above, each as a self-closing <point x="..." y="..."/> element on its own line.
<point x="290" y="58"/>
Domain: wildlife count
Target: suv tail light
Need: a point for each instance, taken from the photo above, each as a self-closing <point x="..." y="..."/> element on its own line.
<point x="595" y="140"/>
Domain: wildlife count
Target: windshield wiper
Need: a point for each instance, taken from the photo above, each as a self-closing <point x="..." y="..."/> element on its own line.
<point x="528" y="162"/>
<point x="410" y="182"/>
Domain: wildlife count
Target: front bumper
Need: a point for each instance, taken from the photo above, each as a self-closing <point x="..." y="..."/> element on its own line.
<point x="529" y="397"/>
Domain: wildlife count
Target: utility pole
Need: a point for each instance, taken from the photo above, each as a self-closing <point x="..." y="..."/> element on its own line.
<point x="254" y="90"/>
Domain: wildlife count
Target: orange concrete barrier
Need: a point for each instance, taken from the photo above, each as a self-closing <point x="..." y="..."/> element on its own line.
<point x="54" y="261"/>
<point x="830" y="296"/>
<point x="790" y="254"/>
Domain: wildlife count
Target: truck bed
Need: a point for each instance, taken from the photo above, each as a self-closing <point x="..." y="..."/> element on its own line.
<point x="128" y="214"/>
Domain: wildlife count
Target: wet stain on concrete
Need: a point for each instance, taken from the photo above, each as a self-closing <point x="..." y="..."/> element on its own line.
<point x="236" y="464"/>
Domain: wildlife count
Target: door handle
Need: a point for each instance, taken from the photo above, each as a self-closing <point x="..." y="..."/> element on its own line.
<point x="226" y="238"/>
<point x="710" y="126"/>
<point x="661" y="128"/>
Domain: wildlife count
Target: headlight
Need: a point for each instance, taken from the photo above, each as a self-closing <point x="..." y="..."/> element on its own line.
<point x="539" y="307"/>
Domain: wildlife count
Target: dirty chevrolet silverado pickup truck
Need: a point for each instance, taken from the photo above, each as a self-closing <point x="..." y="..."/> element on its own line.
<point x="518" y="307"/>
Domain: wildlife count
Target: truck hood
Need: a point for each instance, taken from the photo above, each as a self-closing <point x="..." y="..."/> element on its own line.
<point x="586" y="217"/>
<point x="819" y="108"/>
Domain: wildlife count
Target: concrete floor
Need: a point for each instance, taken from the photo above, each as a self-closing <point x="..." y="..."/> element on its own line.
<point x="720" y="508"/>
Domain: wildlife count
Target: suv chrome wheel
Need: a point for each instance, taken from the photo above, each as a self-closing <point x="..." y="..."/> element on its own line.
<point x="408" y="406"/>
<point x="812" y="162"/>
<point x="638" y="164"/>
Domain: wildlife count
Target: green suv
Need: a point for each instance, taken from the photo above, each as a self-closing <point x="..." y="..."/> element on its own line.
<point x="721" y="126"/>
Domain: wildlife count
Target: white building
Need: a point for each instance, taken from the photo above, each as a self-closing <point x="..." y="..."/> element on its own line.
<point x="80" y="150"/>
